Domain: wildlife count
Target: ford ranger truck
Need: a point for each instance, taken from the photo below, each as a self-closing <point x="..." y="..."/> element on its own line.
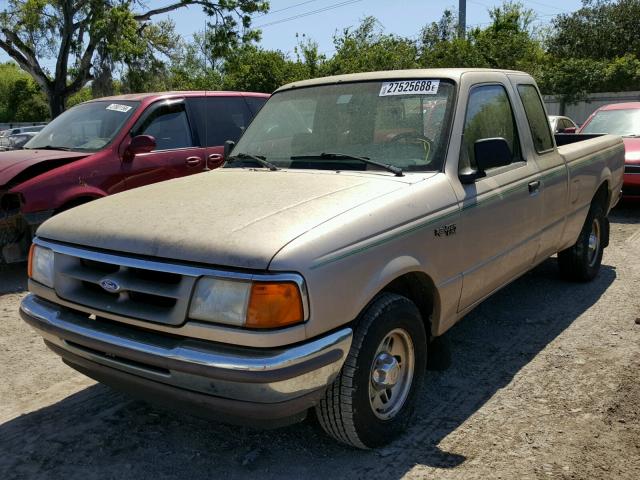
<point x="112" y="144"/>
<point x="357" y="218"/>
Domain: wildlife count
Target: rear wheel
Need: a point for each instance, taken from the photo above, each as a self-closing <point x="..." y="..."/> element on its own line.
<point x="581" y="262"/>
<point x="372" y="400"/>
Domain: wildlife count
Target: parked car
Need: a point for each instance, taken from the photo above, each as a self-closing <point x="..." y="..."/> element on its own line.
<point x="3" y="135"/>
<point x="18" y="140"/>
<point x="561" y="124"/>
<point x="621" y="119"/>
<point x="16" y="137"/>
<point x="313" y="270"/>
<point x="110" y="145"/>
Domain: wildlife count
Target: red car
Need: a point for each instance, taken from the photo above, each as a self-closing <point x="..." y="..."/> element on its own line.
<point x="621" y="119"/>
<point x="113" y="144"/>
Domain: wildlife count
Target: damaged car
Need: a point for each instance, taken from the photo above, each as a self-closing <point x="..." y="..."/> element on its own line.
<point x="109" y="145"/>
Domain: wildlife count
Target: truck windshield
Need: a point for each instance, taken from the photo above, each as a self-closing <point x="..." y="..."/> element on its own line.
<point x="402" y="123"/>
<point x="624" y="122"/>
<point x="86" y="127"/>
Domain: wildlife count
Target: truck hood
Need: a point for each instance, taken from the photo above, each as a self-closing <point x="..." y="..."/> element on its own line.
<point x="18" y="162"/>
<point x="228" y="217"/>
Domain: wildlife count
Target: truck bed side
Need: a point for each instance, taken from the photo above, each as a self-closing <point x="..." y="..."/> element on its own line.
<point x="590" y="163"/>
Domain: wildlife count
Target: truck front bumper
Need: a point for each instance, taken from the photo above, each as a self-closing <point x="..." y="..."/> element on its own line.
<point x="262" y="387"/>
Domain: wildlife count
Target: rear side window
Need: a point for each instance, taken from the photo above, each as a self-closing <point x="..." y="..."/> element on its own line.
<point x="255" y="103"/>
<point x="489" y="115"/>
<point x="538" y="124"/>
<point x="220" y="119"/>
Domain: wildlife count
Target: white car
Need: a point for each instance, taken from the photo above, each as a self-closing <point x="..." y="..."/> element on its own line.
<point x="561" y="124"/>
<point x="14" y="138"/>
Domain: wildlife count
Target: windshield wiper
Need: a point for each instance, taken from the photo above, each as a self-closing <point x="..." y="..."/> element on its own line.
<point x="50" y="147"/>
<point x="256" y="158"/>
<point x="397" y="171"/>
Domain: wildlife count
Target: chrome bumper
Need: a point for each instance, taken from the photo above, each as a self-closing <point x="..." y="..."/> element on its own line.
<point x="249" y="375"/>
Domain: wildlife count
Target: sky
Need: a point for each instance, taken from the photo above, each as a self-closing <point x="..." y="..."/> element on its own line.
<point x="320" y="19"/>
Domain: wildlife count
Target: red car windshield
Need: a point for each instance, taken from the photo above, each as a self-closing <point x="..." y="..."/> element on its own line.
<point x="624" y="122"/>
<point x="86" y="127"/>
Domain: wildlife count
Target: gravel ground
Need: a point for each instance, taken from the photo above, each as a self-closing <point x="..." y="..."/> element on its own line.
<point x="543" y="383"/>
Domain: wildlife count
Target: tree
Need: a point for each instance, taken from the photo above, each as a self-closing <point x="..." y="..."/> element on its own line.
<point x="367" y="48"/>
<point x="253" y="69"/>
<point x="82" y="34"/>
<point x="508" y="42"/>
<point x="20" y="98"/>
<point x="600" y="30"/>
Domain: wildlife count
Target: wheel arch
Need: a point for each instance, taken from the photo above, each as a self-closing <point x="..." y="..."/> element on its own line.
<point x="77" y="201"/>
<point x="407" y="277"/>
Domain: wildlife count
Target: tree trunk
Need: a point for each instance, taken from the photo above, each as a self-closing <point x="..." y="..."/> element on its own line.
<point x="57" y="103"/>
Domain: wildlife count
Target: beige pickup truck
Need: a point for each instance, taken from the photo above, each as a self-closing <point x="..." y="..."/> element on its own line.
<point x="357" y="218"/>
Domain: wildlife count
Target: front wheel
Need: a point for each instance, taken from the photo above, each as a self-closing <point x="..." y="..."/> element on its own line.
<point x="372" y="400"/>
<point x="581" y="262"/>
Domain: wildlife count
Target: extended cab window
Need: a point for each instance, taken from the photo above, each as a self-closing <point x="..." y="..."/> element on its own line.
<point x="538" y="123"/>
<point x="169" y="125"/>
<point x="489" y="115"/>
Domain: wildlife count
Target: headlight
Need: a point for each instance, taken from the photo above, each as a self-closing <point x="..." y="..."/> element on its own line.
<point x="40" y="266"/>
<point x="247" y="304"/>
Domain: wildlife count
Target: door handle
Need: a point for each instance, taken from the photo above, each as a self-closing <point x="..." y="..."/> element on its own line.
<point x="534" y="187"/>
<point x="215" y="160"/>
<point x="193" y="161"/>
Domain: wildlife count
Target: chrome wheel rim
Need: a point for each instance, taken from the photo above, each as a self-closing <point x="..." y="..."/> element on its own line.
<point x="594" y="242"/>
<point x="391" y="374"/>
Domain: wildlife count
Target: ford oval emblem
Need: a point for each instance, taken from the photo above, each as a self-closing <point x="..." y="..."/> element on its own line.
<point x="110" y="285"/>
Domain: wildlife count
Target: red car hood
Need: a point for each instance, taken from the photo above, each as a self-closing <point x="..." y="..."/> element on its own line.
<point x="632" y="150"/>
<point x="15" y="162"/>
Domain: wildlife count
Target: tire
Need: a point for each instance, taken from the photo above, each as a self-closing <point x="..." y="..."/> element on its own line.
<point x="390" y="323"/>
<point x="581" y="262"/>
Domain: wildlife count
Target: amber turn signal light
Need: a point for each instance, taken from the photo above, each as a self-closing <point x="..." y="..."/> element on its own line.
<point x="30" y="260"/>
<point x="273" y="305"/>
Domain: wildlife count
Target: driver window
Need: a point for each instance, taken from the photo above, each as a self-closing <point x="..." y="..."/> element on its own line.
<point x="489" y="115"/>
<point x="169" y="125"/>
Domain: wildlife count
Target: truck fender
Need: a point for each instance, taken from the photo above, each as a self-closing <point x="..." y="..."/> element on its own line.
<point x="391" y="271"/>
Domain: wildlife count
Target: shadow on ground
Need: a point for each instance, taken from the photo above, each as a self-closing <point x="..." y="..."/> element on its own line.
<point x="99" y="433"/>
<point x="626" y="211"/>
<point x="13" y="278"/>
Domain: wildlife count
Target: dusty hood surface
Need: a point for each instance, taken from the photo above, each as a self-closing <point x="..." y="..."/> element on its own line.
<point x="228" y="217"/>
<point x="15" y="162"/>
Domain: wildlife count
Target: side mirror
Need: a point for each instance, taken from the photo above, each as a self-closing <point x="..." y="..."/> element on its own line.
<point x="489" y="153"/>
<point x="569" y="130"/>
<point x="139" y="144"/>
<point x="228" y="146"/>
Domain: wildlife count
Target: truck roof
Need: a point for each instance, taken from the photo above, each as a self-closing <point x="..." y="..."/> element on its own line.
<point x="138" y="97"/>
<point x="452" y="73"/>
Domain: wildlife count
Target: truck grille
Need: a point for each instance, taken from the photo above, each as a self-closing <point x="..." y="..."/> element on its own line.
<point x="145" y="294"/>
<point x="632" y="169"/>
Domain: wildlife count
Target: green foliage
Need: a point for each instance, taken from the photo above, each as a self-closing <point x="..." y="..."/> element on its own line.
<point x="601" y="29"/>
<point x="90" y="39"/>
<point x="508" y="42"/>
<point x="594" y="49"/>
<point x="367" y="48"/>
<point x="253" y="69"/>
<point x="20" y="98"/>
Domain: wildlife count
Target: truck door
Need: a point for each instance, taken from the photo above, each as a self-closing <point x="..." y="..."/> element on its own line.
<point x="500" y="213"/>
<point x="553" y="170"/>
<point x="177" y="153"/>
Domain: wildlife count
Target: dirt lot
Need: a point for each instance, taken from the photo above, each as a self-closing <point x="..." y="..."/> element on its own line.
<point x="543" y="383"/>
